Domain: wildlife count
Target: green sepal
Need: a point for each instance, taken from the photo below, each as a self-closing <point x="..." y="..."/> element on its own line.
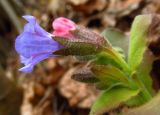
<point x="105" y="72"/>
<point x="76" y="47"/>
<point x="84" y="76"/>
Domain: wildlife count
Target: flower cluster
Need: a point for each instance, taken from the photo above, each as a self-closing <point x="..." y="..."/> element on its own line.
<point x="35" y="44"/>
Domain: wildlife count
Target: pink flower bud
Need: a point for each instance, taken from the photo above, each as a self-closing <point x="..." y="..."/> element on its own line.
<point x="62" y="26"/>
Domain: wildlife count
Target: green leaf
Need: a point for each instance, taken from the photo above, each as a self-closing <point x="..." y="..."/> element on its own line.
<point x="150" y="108"/>
<point x="136" y="101"/>
<point x="111" y="99"/>
<point x="109" y="84"/>
<point x="110" y="56"/>
<point x="120" y="51"/>
<point x="144" y="70"/>
<point x="105" y="58"/>
<point x="117" y="38"/>
<point x="143" y="79"/>
<point x="140" y="58"/>
<point x="138" y="40"/>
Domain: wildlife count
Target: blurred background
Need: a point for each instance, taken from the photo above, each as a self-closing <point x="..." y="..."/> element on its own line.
<point x="49" y="89"/>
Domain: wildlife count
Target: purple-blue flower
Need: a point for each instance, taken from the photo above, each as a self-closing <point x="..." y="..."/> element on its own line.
<point x="34" y="44"/>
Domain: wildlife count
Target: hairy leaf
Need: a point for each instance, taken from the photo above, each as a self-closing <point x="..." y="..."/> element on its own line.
<point x="138" y="40"/>
<point x="104" y="58"/>
<point x="117" y="39"/>
<point x="150" y="108"/>
<point x="109" y="84"/>
<point x="111" y="99"/>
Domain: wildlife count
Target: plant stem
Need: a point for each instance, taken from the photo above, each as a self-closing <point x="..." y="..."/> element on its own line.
<point x="145" y="92"/>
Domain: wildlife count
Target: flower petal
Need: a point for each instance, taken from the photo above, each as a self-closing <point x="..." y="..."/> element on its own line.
<point x="27" y="68"/>
<point x="28" y="44"/>
<point x="30" y="26"/>
<point x="33" y="27"/>
<point x="31" y="62"/>
<point x="62" y="26"/>
<point x="62" y="23"/>
<point x="34" y="44"/>
<point x="34" y="39"/>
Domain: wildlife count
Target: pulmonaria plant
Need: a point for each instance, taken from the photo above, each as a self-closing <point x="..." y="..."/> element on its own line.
<point x="122" y="72"/>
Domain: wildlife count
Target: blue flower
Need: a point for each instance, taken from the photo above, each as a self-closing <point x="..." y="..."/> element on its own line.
<point x="34" y="44"/>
